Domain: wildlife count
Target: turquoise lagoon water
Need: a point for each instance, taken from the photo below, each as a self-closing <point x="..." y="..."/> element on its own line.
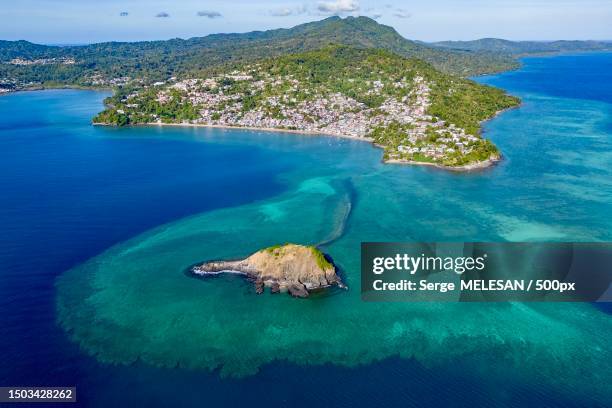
<point x="138" y="315"/>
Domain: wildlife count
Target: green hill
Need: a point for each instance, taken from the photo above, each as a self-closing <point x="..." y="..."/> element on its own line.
<point x="114" y="63"/>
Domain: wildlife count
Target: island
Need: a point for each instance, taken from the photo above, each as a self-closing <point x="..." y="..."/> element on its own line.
<point x="296" y="269"/>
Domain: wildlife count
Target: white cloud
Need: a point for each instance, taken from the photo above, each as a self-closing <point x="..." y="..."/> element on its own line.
<point x="338" y="6"/>
<point x="289" y="11"/>
<point x="401" y="13"/>
<point x="209" y="14"/>
<point x="373" y="13"/>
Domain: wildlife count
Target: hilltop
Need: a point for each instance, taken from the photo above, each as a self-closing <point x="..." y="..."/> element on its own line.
<point x="416" y="113"/>
<point x="27" y="65"/>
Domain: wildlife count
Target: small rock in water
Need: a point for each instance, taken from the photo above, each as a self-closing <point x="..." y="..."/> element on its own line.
<point x="298" y="290"/>
<point x="275" y="287"/>
<point x="259" y="286"/>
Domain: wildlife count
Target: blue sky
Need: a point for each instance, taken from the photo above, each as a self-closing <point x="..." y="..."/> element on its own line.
<point x="82" y="21"/>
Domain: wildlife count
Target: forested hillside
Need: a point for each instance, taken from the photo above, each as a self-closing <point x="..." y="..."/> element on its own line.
<point x="24" y="64"/>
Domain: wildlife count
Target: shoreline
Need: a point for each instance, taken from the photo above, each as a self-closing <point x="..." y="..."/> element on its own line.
<point x="469" y="167"/>
<point x="57" y="88"/>
<point x="254" y="128"/>
<point x="459" y="169"/>
<point x="499" y="113"/>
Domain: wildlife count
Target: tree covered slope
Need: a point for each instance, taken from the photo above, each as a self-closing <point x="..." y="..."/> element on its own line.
<point x="115" y="63"/>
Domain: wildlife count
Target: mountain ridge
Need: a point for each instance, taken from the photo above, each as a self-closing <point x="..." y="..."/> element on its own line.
<point x="104" y="64"/>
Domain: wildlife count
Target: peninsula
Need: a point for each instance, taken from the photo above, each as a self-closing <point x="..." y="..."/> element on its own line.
<point x="416" y="113"/>
<point x="296" y="269"/>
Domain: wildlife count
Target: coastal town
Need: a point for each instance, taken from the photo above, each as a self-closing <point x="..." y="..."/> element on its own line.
<point x="254" y="97"/>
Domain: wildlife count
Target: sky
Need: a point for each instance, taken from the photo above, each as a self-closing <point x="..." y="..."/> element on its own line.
<point x="87" y="21"/>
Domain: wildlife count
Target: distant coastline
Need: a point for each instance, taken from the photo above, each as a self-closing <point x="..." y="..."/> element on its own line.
<point x="7" y="91"/>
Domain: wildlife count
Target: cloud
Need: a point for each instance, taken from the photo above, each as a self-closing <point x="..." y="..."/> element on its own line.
<point x="338" y="6"/>
<point x="283" y="12"/>
<point x="289" y="11"/>
<point x="373" y="13"/>
<point x="124" y="14"/>
<point x="401" y="13"/>
<point x="163" y="14"/>
<point x="209" y="14"/>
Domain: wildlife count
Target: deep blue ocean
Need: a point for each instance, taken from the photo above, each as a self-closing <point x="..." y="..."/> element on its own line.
<point x="69" y="191"/>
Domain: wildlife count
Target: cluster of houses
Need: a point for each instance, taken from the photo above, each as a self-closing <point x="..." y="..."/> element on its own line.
<point x="6" y="85"/>
<point x="43" y="61"/>
<point x="448" y="140"/>
<point x="99" y="80"/>
<point x="441" y="148"/>
<point x="10" y="85"/>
